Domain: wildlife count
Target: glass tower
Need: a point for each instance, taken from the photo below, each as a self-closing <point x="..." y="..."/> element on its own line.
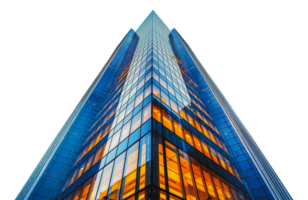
<point x="153" y="125"/>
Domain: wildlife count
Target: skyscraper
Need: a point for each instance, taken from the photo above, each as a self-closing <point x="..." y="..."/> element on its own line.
<point x="153" y="125"/>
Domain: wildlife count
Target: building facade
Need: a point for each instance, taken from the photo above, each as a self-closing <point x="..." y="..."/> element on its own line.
<point x="153" y="125"/>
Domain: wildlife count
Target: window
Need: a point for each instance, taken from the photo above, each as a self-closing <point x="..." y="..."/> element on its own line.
<point x="144" y="161"/>
<point x="190" y="120"/>
<point x="188" y="137"/>
<point x="116" y="178"/>
<point x="159" y="162"/>
<point x="155" y="76"/>
<point x="226" y="189"/>
<point x="174" y="106"/>
<point x="88" y="165"/>
<point x="183" y="114"/>
<point x="77" y="193"/>
<point x="229" y="166"/>
<point x="199" y="179"/>
<point x="121" y="116"/>
<point x="165" y="98"/>
<point x="125" y="131"/>
<point x="146" y="113"/>
<point x="115" y="140"/>
<point x="103" y="186"/>
<point x="198" y="144"/>
<point x="130" y="171"/>
<point x="156" y="112"/>
<point x="218" y="187"/>
<point x="222" y="162"/>
<point x="173" y="170"/>
<point x="163" y="83"/>
<point x="96" y="158"/>
<point x="95" y="184"/>
<point x="129" y="108"/>
<point x="188" y="180"/>
<point x="167" y="121"/>
<point x="139" y="99"/>
<point x="198" y="126"/>
<point x="178" y="129"/>
<point x="147" y="91"/>
<point x="85" y="190"/>
<point x="209" y="182"/>
<point x="206" y="149"/>
<point x="140" y="84"/>
<point x="136" y="122"/>
<point x="214" y="155"/>
<point x="156" y="91"/>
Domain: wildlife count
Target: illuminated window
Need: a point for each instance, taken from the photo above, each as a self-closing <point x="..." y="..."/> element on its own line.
<point x="85" y="190"/>
<point x="116" y="178"/>
<point x="218" y="187"/>
<point x="190" y="120"/>
<point x="178" y="129"/>
<point x="146" y="113"/>
<point x="125" y="131"/>
<point x="139" y="99"/>
<point x="222" y="162"/>
<point x="77" y="193"/>
<point x="198" y="144"/>
<point x="209" y="182"/>
<point x="97" y="154"/>
<point x="188" y="137"/>
<point x="156" y="112"/>
<point x="199" y="179"/>
<point x="136" y="122"/>
<point x="165" y="98"/>
<point x="81" y="170"/>
<point x="147" y="91"/>
<point x="226" y="189"/>
<point x="158" y="162"/>
<point x="206" y="149"/>
<point x="174" y="106"/>
<point x="95" y="184"/>
<point x="212" y="137"/>
<point x="214" y="155"/>
<point x="130" y="171"/>
<point x="144" y="161"/>
<point x="173" y="170"/>
<point x="205" y="132"/>
<point x="183" y="114"/>
<point x="156" y="91"/>
<point x="88" y="165"/>
<point x="167" y="121"/>
<point x="188" y="180"/>
<point x="103" y="186"/>
<point x="97" y="139"/>
<point x="198" y="126"/>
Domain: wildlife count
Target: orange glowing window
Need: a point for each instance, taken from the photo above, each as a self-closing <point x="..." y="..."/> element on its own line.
<point x="226" y="189"/>
<point x="183" y="114"/>
<point x="218" y="187"/>
<point x="190" y="120"/>
<point x="188" y="137"/>
<point x="198" y="177"/>
<point x="209" y="182"/>
<point x="167" y="121"/>
<point x="212" y="137"/>
<point x="95" y="184"/>
<point x="156" y="113"/>
<point x="116" y="177"/>
<point x="85" y="190"/>
<point x="178" y="129"/>
<point x="156" y="91"/>
<point x="206" y="149"/>
<point x="214" y="155"/>
<point x="103" y="186"/>
<point x="97" y="139"/>
<point x="173" y="169"/>
<point x="198" y="144"/>
<point x="198" y="126"/>
<point x="162" y="183"/>
<point x="205" y="132"/>
<point x="229" y="166"/>
<point x="88" y="165"/>
<point x="222" y="162"/>
<point x="77" y="194"/>
<point x="97" y="154"/>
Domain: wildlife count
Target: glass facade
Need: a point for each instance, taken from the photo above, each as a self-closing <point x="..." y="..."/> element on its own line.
<point x="153" y="126"/>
